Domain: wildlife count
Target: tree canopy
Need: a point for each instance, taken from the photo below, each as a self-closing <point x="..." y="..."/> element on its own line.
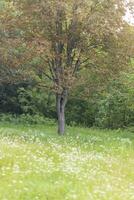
<point x="64" y="43"/>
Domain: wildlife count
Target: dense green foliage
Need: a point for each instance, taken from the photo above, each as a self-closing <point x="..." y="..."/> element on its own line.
<point x="74" y="51"/>
<point x="110" y="108"/>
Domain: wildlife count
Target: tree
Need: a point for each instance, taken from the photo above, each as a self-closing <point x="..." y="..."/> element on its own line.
<point x="61" y="39"/>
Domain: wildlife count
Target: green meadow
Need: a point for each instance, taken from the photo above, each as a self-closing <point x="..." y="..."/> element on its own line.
<point x="86" y="164"/>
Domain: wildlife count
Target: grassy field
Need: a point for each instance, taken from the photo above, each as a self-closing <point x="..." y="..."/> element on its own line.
<point x="86" y="164"/>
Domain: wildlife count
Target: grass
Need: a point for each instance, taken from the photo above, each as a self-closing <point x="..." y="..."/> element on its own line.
<point x="86" y="164"/>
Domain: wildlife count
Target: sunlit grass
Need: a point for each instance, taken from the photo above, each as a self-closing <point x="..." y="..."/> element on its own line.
<point x="86" y="164"/>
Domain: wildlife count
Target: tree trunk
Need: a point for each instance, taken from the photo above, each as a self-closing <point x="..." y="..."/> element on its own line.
<point x="61" y="100"/>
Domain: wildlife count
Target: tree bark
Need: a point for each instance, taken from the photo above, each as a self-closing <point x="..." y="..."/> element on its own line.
<point x="61" y="100"/>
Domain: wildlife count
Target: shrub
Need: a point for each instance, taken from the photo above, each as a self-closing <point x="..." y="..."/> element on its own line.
<point x="115" y="109"/>
<point x="26" y="119"/>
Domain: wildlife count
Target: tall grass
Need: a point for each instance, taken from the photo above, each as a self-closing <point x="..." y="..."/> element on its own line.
<point x="86" y="164"/>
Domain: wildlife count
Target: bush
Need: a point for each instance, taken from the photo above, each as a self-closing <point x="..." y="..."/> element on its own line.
<point x="26" y="119"/>
<point x="80" y="112"/>
<point x="35" y="101"/>
<point x="115" y="109"/>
